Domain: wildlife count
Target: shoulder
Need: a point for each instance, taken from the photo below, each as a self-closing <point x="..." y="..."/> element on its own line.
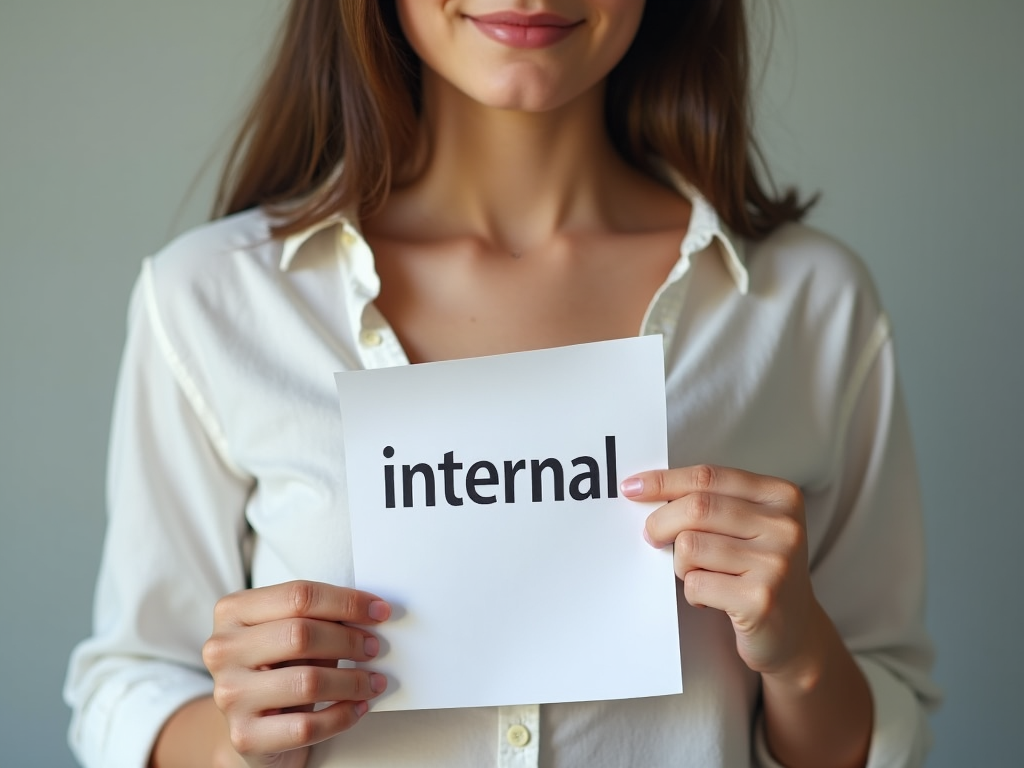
<point x="800" y="253"/>
<point x="202" y="254"/>
<point x="815" y="276"/>
<point x="212" y="287"/>
<point x="216" y="270"/>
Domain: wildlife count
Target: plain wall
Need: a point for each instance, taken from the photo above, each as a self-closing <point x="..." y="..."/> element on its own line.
<point x="906" y="114"/>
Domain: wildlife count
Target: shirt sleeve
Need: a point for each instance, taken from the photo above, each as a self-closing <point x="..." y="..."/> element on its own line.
<point x="868" y="569"/>
<point x="174" y="545"/>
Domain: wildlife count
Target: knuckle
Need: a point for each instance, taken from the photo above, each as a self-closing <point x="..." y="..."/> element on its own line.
<point x="303" y="730"/>
<point x="701" y="506"/>
<point x="224" y="609"/>
<point x="214" y="653"/>
<point x="298" y="636"/>
<point x="351" y="604"/>
<point x="694" y="584"/>
<point x="226" y="696"/>
<point x="790" y="495"/>
<point x="308" y="682"/>
<point x="688" y="546"/>
<point x="704" y="476"/>
<point x="242" y="738"/>
<point x="361" y="688"/>
<point x="355" y="644"/>
<point x="302" y="597"/>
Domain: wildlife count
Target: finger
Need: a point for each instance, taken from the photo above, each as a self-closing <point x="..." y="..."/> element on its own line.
<point x="713" y="589"/>
<point x="296" y="686"/>
<point x="747" y="600"/>
<point x="670" y="484"/>
<point x="284" y="732"/>
<point x="285" y="640"/>
<point x="697" y="550"/>
<point x="741" y="598"/>
<point x="703" y="511"/>
<point x="760" y="560"/>
<point x="300" y="599"/>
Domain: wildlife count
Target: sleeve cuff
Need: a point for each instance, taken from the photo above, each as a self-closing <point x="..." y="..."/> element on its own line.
<point x="121" y="725"/>
<point x="900" y="735"/>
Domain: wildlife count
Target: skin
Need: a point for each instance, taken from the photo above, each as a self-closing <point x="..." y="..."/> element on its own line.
<point x="519" y="164"/>
<point x="273" y="654"/>
<point x="741" y="548"/>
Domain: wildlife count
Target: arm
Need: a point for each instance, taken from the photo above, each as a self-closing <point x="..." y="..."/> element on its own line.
<point x="173" y="546"/>
<point x="869" y="570"/>
<point x="741" y="547"/>
<point x="821" y="711"/>
<point x="197" y="734"/>
<point x="173" y="550"/>
<point x="838" y="634"/>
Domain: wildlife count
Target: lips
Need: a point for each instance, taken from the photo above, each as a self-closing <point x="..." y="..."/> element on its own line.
<point x="521" y="30"/>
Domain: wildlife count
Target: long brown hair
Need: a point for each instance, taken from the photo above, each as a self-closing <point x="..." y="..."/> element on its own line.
<point x="343" y="91"/>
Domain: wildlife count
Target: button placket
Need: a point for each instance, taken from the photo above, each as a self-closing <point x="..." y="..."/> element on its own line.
<point x="518" y="736"/>
<point x="370" y="337"/>
<point x="663" y="316"/>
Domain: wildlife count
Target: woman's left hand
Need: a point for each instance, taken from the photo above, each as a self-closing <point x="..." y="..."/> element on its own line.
<point x="741" y="547"/>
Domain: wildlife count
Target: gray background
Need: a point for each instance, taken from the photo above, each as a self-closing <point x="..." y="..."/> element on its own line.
<point x="906" y="114"/>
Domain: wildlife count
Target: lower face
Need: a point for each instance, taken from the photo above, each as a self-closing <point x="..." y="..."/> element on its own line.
<point x="528" y="55"/>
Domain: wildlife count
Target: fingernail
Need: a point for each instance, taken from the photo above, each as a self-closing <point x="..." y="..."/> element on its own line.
<point x="378" y="682"/>
<point x="361" y="708"/>
<point x="632" y="486"/>
<point x="371" y="646"/>
<point x="648" y="538"/>
<point x="379" y="610"/>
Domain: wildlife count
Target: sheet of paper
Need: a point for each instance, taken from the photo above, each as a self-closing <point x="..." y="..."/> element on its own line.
<point x="485" y="508"/>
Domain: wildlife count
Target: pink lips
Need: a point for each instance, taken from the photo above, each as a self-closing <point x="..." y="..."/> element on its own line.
<point x="520" y="30"/>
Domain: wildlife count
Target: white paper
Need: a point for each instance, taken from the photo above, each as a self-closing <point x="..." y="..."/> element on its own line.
<point x="525" y="602"/>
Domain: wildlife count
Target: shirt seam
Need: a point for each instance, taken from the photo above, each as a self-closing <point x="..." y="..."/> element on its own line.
<point x="880" y="335"/>
<point x="184" y="380"/>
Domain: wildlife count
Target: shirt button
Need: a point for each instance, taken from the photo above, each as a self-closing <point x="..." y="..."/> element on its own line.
<point x="370" y="338"/>
<point x="348" y="239"/>
<point x="518" y="735"/>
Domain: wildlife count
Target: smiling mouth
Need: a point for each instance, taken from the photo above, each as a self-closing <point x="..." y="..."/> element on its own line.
<point x="520" y="30"/>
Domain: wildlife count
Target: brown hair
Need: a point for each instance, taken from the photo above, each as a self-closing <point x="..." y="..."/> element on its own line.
<point x="344" y="88"/>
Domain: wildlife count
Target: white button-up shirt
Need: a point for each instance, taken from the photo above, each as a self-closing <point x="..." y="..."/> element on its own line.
<point x="225" y="472"/>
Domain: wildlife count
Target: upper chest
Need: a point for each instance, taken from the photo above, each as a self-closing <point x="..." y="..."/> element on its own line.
<point x="455" y="299"/>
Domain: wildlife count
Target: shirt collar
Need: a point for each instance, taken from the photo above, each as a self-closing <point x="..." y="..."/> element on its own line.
<point x="293" y="243"/>
<point x="705" y="228"/>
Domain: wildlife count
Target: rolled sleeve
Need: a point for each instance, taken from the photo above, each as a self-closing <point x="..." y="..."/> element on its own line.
<point x="868" y="565"/>
<point x="900" y="736"/>
<point x="128" y="703"/>
<point x="174" y="545"/>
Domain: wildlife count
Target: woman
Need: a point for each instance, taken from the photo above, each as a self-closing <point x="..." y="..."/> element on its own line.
<point x="436" y="179"/>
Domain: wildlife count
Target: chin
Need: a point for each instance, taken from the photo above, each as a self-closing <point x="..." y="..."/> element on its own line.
<point x="522" y="96"/>
<point x="530" y="105"/>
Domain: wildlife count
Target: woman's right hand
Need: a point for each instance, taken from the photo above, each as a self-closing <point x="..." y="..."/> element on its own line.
<point x="273" y="655"/>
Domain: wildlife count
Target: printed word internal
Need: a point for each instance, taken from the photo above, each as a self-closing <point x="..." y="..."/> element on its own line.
<point x="482" y="483"/>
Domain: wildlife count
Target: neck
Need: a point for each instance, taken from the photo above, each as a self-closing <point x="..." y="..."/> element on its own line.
<point x="514" y="179"/>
